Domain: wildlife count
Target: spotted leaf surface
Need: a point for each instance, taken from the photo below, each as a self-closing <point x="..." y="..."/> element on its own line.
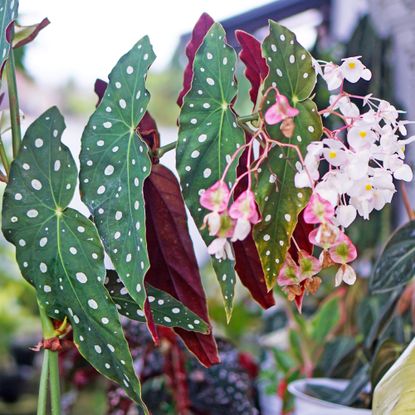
<point x="290" y="67"/>
<point x="8" y="13"/>
<point x="166" y="310"/>
<point x="59" y="251"/>
<point x="279" y="200"/>
<point x="209" y="135"/>
<point x="114" y="165"/>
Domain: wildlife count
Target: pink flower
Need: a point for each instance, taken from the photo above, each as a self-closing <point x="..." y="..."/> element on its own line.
<point x="318" y="210"/>
<point x="308" y="265"/>
<point x="216" y="197"/>
<point x="245" y="212"/>
<point x="325" y="236"/>
<point x="289" y="273"/>
<point x="344" y="251"/>
<point x="280" y="110"/>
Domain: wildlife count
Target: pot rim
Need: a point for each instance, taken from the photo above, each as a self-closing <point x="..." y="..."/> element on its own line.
<point x="296" y="388"/>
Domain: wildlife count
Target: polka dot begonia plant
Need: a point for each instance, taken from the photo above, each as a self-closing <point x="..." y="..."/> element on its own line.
<point x="252" y="183"/>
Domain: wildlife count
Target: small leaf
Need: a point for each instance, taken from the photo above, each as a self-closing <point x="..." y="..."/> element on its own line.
<point x="166" y="310"/>
<point x="209" y="135"/>
<point x="8" y="13"/>
<point x="394" y="394"/>
<point x="290" y="65"/>
<point x="59" y="251"/>
<point x="174" y="268"/>
<point x="202" y="26"/>
<point x="114" y="165"/>
<point x="256" y="66"/>
<point x="396" y="265"/>
<point x="25" y="34"/>
<point x="280" y="202"/>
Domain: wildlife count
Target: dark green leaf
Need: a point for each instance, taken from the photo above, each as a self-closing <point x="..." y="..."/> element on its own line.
<point x="280" y="202"/>
<point x="396" y="264"/>
<point x="167" y="311"/>
<point x="59" y="251"/>
<point x="209" y="135"/>
<point x="114" y="165"/>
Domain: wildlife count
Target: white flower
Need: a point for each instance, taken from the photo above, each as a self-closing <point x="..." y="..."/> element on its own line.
<point x="242" y="229"/>
<point x="212" y="221"/>
<point x="333" y="76"/>
<point x="347" y="108"/>
<point x="361" y="136"/>
<point x="221" y="248"/>
<point x="335" y="153"/>
<point x="403" y="173"/>
<point x="352" y="70"/>
<point x="345" y="215"/>
<point x="345" y="273"/>
<point x="388" y="112"/>
<point x="358" y="164"/>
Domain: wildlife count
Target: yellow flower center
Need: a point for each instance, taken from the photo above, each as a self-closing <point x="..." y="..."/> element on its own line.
<point x="352" y="65"/>
<point x="332" y="154"/>
<point x="368" y="187"/>
<point x="363" y="134"/>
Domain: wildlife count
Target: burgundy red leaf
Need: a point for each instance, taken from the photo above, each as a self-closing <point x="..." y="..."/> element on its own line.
<point x="199" y="32"/>
<point x="99" y="88"/>
<point x="256" y="67"/>
<point x="301" y="232"/>
<point x="173" y="266"/>
<point x="247" y="261"/>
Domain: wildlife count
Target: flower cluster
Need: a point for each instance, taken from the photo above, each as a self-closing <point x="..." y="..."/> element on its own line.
<point x="225" y="223"/>
<point x="363" y="156"/>
<point x="337" y="249"/>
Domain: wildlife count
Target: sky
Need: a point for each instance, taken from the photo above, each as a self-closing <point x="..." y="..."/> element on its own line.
<point x="86" y="38"/>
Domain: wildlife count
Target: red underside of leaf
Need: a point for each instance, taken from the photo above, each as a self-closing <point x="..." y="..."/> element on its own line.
<point x="301" y="232"/>
<point x="201" y="28"/>
<point x="256" y="67"/>
<point x="173" y="266"/>
<point x="247" y="262"/>
<point x="99" y="88"/>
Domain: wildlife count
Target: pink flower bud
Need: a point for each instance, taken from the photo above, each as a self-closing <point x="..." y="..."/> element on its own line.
<point x="216" y="197"/>
<point x="280" y="110"/>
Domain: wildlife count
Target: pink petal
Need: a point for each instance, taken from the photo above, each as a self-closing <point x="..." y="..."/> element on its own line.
<point x="216" y="197"/>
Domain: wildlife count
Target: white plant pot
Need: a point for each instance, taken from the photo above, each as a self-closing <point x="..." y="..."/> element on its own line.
<point x="308" y="405"/>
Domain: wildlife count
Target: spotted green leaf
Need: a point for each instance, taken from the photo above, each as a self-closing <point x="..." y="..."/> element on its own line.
<point x="290" y="65"/>
<point x="167" y="311"/>
<point x="209" y="135"/>
<point x="114" y="165"/>
<point x="280" y="202"/>
<point x="8" y="13"/>
<point x="58" y="250"/>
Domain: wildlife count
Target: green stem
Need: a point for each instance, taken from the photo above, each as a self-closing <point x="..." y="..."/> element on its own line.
<point x="43" y="385"/>
<point x="13" y="102"/>
<point x="3" y="157"/>
<point x="52" y="359"/>
<point x="163" y="150"/>
<point x="55" y="393"/>
<point x="248" y="118"/>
